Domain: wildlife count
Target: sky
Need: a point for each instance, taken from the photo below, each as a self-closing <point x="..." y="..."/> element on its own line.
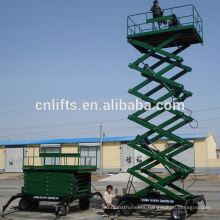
<point x="77" y="50"/>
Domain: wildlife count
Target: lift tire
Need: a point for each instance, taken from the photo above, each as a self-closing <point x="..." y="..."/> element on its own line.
<point x="84" y="204"/>
<point x="24" y="205"/>
<point x="34" y="204"/>
<point x="67" y="209"/>
<point x="127" y="211"/>
<point x="178" y="213"/>
<point x="192" y="209"/>
<point x="64" y="210"/>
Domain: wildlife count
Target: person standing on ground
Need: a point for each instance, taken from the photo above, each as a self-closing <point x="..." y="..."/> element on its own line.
<point x="156" y="10"/>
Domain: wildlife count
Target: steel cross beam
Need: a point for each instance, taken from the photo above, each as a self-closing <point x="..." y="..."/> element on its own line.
<point x="144" y="143"/>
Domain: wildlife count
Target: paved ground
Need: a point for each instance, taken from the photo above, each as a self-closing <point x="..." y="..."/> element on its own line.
<point x="211" y="189"/>
<point x="12" y="176"/>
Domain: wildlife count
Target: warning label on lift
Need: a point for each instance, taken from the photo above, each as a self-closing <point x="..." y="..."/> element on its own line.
<point x="156" y="200"/>
<point x="46" y="197"/>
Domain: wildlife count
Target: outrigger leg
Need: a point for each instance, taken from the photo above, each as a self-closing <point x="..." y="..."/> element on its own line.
<point x="8" y="203"/>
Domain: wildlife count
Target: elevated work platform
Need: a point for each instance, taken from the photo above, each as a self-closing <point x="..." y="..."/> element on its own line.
<point x="140" y="27"/>
<point x="165" y="92"/>
<point x="78" y="159"/>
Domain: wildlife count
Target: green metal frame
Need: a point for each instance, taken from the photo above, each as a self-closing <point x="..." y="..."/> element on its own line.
<point x="175" y="92"/>
<point x="164" y="18"/>
<point x="189" y="19"/>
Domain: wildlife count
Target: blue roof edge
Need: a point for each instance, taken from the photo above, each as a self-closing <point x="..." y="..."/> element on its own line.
<point x="93" y="140"/>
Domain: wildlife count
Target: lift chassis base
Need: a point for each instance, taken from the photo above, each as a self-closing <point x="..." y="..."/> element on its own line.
<point x="62" y="208"/>
<point x="180" y="209"/>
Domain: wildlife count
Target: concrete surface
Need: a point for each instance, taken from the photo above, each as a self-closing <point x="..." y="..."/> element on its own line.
<point x="16" y="176"/>
<point x="211" y="189"/>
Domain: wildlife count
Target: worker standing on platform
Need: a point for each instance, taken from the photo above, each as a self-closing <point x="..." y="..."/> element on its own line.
<point x="156" y="10"/>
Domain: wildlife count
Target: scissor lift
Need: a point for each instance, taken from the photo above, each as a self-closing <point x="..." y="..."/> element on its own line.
<point x="157" y="44"/>
<point x="60" y="177"/>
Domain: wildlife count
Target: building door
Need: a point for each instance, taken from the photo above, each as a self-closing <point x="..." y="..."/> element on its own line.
<point x="127" y="157"/>
<point x="13" y="159"/>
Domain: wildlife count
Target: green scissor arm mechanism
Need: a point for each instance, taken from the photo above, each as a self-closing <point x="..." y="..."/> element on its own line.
<point x="153" y="44"/>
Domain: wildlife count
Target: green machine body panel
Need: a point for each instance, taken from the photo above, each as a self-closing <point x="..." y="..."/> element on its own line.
<point x="62" y="184"/>
<point x="157" y="89"/>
